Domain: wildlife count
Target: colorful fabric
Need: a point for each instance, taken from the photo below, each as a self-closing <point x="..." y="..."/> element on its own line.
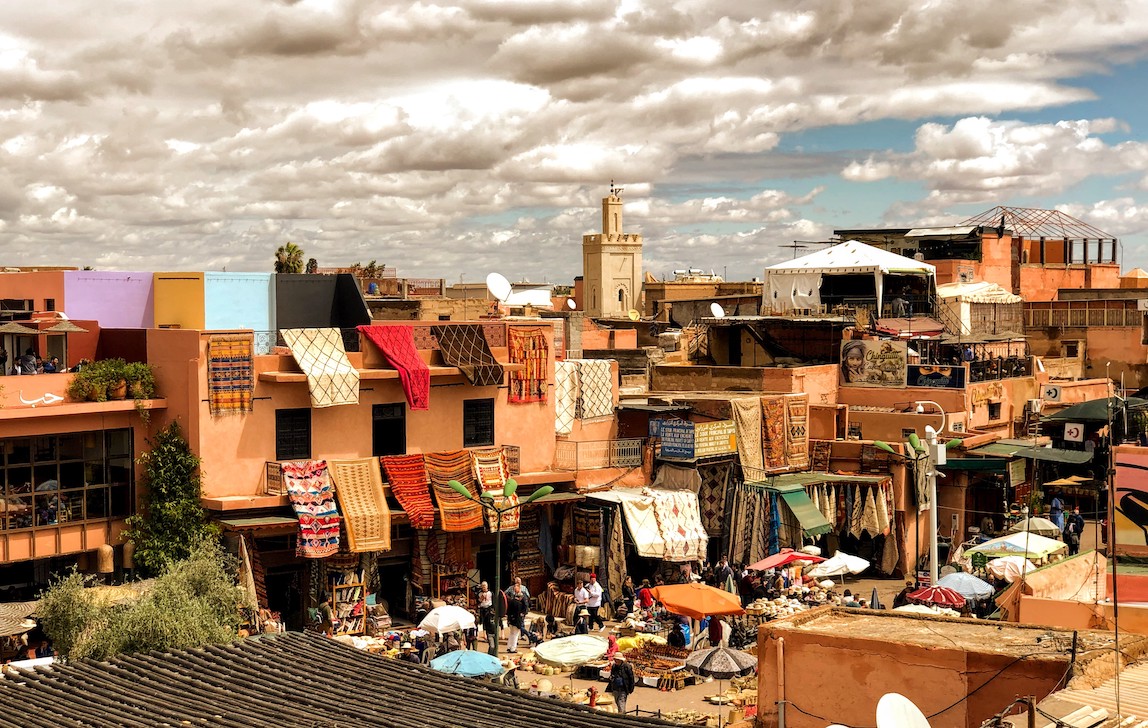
<point x="595" y="389"/>
<point x="711" y="497"/>
<point x="464" y="346"/>
<point x="747" y="423"/>
<point x="489" y="468"/>
<point x="457" y="513"/>
<point x="410" y="484"/>
<point x="680" y="525"/>
<point x="397" y="345"/>
<point x="320" y="354"/>
<point x="530" y="562"/>
<point x="773" y="432"/>
<point x="495" y="335"/>
<point x="797" y="431"/>
<point x="312" y="496"/>
<point x="230" y="374"/>
<point x="510" y="518"/>
<point x="363" y="503"/>
<point x="615" y="555"/>
<point x="527" y="346"/>
<point x="565" y="396"/>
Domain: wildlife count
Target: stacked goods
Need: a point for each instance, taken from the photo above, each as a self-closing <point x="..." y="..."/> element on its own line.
<point x="686" y="717"/>
<point x="775" y="608"/>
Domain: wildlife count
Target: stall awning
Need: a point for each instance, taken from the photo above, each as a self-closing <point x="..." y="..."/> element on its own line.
<point x="1047" y="454"/>
<point x="812" y="522"/>
<point x="998" y="465"/>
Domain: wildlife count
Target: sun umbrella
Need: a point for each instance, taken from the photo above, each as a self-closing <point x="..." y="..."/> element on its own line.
<point x="839" y="564"/>
<point x="697" y="600"/>
<point x="572" y="651"/>
<point x="783" y="558"/>
<point x="1037" y="525"/>
<point x="12" y="327"/>
<point x="967" y="585"/>
<point x="722" y="663"/>
<point x="932" y="611"/>
<point x="449" y="618"/>
<point x="1010" y="568"/>
<point x="1032" y="545"/>
<point x="467" y="663"/>
<point x="874" y="601"/>
<point x="1062" y="481"/>
<point x="937" y="595"/>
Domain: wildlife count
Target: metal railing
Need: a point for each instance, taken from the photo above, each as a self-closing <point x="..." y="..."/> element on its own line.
<point x="597" y="454"/>
<point x="1080" y="314"/>
<point x="999" y="368"/>
<point x="267" y="340"/>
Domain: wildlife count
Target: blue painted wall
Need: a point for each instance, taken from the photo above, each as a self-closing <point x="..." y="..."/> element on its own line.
<point x="239" y="301"/>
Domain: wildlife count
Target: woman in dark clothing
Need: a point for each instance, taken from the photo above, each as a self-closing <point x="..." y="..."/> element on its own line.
<point x="628" y="594"/>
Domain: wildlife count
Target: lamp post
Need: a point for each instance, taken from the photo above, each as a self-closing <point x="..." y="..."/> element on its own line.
<point x="487" y="502"/>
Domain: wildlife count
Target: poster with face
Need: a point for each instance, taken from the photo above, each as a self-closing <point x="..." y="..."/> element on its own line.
<point x="1131" y="503"/>
<point x="935" y="375"/>
<point x="873" y="363"/>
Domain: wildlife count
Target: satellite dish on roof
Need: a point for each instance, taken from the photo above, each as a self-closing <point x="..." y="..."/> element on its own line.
<point x="634" y="314"/>
<point x="896" y="711"/>
<point x="498" y="286"/>
<point x="570" y="304"/>
<point x="717" y="310"/>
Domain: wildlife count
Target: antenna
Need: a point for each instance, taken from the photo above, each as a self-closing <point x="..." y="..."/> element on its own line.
<point x="796" y="247"/>
<point x="717" y="310"/>
<point x="896" y="711"/>
<point x="498" y="286"/>
<point x="570" y="304"/>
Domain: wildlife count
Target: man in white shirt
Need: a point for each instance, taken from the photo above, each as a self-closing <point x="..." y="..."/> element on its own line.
<point x="594" y="601"/>
<point x="581" y="597"/>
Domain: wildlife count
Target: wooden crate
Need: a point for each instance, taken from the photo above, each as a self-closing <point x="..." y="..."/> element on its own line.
<point x="273" y="483"/>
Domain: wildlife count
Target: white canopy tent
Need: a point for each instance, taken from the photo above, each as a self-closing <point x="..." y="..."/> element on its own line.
<point x="796" y="283"/>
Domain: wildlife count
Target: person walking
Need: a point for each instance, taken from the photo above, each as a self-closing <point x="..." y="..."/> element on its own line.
<point x="516" y="609"/>
<point x="1073" y="530"/>
<point x="594" y="602"/>
<point x="582" y="596"/>
<point x="1056" y="511"/>
<point x="486" y="615"/>
<point x="621" y="682"/>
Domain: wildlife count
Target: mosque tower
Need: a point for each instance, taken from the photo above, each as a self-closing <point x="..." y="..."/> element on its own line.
<point x="611" y="264"/>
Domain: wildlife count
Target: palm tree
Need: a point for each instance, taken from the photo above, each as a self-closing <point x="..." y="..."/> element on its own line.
<point x="289" y="259"/>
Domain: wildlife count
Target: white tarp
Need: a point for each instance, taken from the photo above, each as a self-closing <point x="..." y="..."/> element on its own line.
<point x="839" y="564"/>
<point x="849" y="258"/>
<point x="977" y="292"/>
<point x="663" y="524"/>
<point x="536" y="296"/>
<point x="570" y="652"/>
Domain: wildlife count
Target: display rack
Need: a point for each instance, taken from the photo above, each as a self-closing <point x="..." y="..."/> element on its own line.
<point x="447" y="582"/>
<point x="349" y="597"/>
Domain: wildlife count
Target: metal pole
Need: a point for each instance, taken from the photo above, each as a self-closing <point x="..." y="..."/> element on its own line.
<point x="933" y="525"/>
<point x="497" y="578"/>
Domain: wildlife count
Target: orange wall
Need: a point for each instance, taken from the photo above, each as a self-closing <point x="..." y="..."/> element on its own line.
<point x="36" y="285"/>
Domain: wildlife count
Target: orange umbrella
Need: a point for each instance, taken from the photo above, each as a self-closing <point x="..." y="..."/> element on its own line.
<point x="697" y="600"/>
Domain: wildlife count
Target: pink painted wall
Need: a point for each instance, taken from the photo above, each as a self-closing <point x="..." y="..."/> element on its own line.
<point x="117" y="299"/>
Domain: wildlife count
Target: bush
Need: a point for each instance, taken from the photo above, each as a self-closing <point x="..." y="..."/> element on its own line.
<point x="195" y="603"/>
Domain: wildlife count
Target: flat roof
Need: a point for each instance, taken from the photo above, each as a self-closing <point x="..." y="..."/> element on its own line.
<point x="970" y="635"/>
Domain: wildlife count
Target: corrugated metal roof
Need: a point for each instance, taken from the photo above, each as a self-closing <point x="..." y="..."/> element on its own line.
<point x="1133" y="696"/>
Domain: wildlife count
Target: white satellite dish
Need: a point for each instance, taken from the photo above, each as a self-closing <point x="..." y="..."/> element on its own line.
<point x="717" y="310"/>
<point x="634" y="314"/>
<point x="498" y="286"/>
<point x="896" y="711"/>
<point x="570" y="304"/>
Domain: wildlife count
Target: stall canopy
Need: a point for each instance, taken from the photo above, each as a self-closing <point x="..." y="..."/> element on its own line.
<point x="791" y="488"/>
<point x="1048" y="454"/>
<point x="976" y="292"/>
<point x="796" y="283"/>
<point x="663" y="524"/>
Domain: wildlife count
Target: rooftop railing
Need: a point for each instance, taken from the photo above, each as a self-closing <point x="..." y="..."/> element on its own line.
<point x="598" y="454"/>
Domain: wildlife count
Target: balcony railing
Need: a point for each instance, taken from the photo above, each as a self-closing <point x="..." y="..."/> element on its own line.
<point x="1080" y="314"/>
<point x="265" y="341"/>
<point x="1000" y="368"/>
<point x="597" y="454"/>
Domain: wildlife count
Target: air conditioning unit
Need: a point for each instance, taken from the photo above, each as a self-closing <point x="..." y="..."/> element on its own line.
<point x="1034" y="406"/>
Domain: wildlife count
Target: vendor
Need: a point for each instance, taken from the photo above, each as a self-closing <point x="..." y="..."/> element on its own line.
<point x="677" y="637"/>
<point x="582" y="621"/>
<point x="645" y="595"/>
<point x="408" y="653"/>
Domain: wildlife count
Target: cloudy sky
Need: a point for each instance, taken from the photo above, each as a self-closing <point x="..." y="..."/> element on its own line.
<point x="451" y="140"/>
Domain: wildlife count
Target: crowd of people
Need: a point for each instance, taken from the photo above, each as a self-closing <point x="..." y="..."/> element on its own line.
<point x="30" y="363"/>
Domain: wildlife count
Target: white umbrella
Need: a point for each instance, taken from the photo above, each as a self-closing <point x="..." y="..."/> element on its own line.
<point x="1037" y="525"/>
<point x="839" y="564"/>
<point x="930" y="610"/>
<point x="967" y="585"/>
<point x="1031" y="545"/>
<point x="449" y="618"/>
<point x="1010" y="568"/>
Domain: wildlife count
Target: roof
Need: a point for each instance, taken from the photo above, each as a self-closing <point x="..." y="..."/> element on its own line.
<point x="929" y="232"/>
<point x="787" y="481"/>
<point x="1031" y="222"/>
<point x="918" y="325"/>
<point x="852" y="256"/>
<point x="1133" y="698"/>
<point x="1048" y="454"/>
<point x="278" y="680"/>
<point x="977" y="292"/>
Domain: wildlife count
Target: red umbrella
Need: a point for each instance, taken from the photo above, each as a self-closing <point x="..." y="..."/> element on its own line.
<point x="941" y="596"/>
<point x="782" y="558"/>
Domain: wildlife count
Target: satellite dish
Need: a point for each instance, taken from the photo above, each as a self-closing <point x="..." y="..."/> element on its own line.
<point x="717" y="310"/>
<point x="498" y="286"/>
<point x="634" y="314"/>
<point x="896" y="711"/>
<point x="570" y="304"/>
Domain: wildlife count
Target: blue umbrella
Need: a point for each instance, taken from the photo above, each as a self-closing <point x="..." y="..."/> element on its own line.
<point x="467" y="663"/>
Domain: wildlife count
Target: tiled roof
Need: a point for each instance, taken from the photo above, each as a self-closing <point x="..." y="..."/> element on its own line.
<point x="291" y="679"/>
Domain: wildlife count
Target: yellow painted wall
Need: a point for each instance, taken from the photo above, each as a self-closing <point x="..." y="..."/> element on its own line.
<point x="179" y="301"/>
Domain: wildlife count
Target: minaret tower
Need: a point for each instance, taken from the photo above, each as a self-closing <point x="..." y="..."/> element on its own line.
<point x="611" y="264"/>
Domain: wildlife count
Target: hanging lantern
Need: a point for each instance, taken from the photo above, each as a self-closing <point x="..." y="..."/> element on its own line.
<point x="105" y="559"/>
<point x="129" y="552"/>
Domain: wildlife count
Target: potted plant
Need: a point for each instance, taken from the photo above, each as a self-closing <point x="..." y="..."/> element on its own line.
<point x="99" y="381"/>
<point x="140" y="380"/>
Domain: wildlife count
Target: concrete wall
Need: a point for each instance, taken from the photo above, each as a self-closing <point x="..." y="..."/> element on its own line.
<point x="35" y="285"/>
<point x="179" y="300"/>
<point x="819" y="381"/>
<point x="117" y="299"/>
<point x="239" y="301"/>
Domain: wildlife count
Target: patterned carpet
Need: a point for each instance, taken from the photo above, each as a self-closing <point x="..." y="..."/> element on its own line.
<point x="410" y="484"/>
<point x="565" y="396"/>
<point x="366" y="516"/>
<point x="397" y="345"/>
<point x="465" y="347"/>
<point x="773" y="432"/>
<point x="527" y="346"/>
<point x="747" y="421"/>
<point x="230" y="374"/>
<point x="596" y="389"/>
<point x="312" y="497"/>
<point x="797" y="431"/>
<point x="457" y="513"/>
<point x="320" y="354"/>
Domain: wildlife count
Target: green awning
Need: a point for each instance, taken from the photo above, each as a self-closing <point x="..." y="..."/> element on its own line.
<point x="812" y="522"/>
<point x="999" y="465"/>
<point x="1047" y="454"/>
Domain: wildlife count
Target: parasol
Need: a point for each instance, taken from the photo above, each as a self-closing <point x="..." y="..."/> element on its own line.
<point x="839" y="564"/>
<point x="783" y="558"/>
<point x="65" y="327"/>
<point x="12" y="327"/>
<point x="939" y="596"/>
<point x="448" y="618"/>
<point x="570" y="652"/>
<point x="931" y="611"/>
<point x="722" y="663"/>
<point x="1032" y="545"/>
<point x="967" y="585"/>
<point x="1037" y="525"/>
<point x="1010" y="568"/>
<point x="467" y="663"/>
<point x="697" y="600"/>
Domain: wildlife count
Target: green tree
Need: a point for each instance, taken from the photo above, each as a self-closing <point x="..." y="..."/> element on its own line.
<point x="312" y="266"/>
<point x="172" y="520"/>
<point x="289" y="259"/>
<point x="194" y="603"/>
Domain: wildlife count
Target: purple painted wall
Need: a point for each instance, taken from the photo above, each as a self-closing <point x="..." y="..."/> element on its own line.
<point x="117" y="299"/>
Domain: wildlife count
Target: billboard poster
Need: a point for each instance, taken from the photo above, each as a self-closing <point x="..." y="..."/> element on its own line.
<point x="1131" y="502"/>
<point x="873" y="363"/>
<point x="936" y="375"/>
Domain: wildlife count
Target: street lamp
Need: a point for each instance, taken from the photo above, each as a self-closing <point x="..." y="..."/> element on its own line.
<point x="486" y="500"/>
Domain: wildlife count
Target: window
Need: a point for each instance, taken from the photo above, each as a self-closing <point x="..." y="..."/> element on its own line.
<point x="55" y="479"/>
<point x="1071" y="349"/>
<point x="389" y="429"/>
<point x="994" y="411"/>
<point x="477" y="422"/>
<point x="49" y="304"/>
<point x="293" y="434"/>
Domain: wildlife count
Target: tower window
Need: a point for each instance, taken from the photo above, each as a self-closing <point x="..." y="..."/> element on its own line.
<point x="621" y="296"/>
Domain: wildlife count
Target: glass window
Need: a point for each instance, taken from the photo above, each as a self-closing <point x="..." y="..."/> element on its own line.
<point x="120" y="500"/>
<point x="477" y="422"/>
<point x="71" y="447"/>
<point x="96" y="500"/>
<point x="119" y="442"/>
<point x="293" y="434"/>
<point x="389" y="429"/>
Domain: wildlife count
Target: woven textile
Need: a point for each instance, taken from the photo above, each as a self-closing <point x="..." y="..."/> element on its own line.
<point x="711" y="496"/>
<point x="773" y="432"/>
<point x="359" y="487"/>
<point x="565" y="396"/>
<point x="527" y="346"/>
<point x="758" y="543"/>
<point x="312" y="496"/>
<point x="595" y="389"/>
<point x="643" y="525"/>
<point x="495" y="335"/>
<point x="615" y="555"/>
<point x="822" y="451"/>
<point x="747" y="422"/>
<point x="882" y="510"/>
<point x="410" y="484"/>
<point x="397" y="345"/>
<point x="869" y="512"/>
<point x="230" y="375"/>
<point x="510" y="518"/>
<point x="489" y="468"/>
<point x="681" y="526"/>
<point x="530" y="562"/>
<point x="457" y="513"/>
<point x="330" y="377"/>
<point x="797" y="431"/>
<point x="464" y="346"/>
<point x="424" y="338"/>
